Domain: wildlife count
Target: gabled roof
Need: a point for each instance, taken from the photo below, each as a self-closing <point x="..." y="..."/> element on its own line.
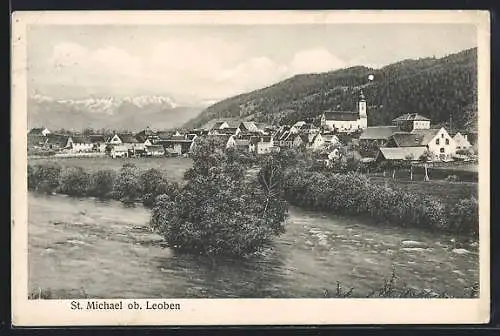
<point x="427" y="134"/>
<point x="81" y="140"/>
<point x="378" y="132"/>
<point x="341" y="115"/>
<point x="227" y="130"/>
<point x="36" y="131"/>
<point x="57" y="139"/>
<point x="407" y="139"/>
<point x="95" y="138"/>
<point x="218" y="124"/>
<point x="411" y="117"/>
<point x="307" y="127"/>
<point x="400" y="153"/>
<point x="127" y="138"/>
<point x="249" y="126"/>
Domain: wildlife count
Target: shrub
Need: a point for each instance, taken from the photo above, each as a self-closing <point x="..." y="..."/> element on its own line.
<point x="353" y="194"/>
<point x="452" y="178"/>
<point x="127" y="187"/>
<point x="102" y="182"/>
<point x="153" y="183"/>
<point x="45" y="177"/>
<point x="464" y="217"/>
<point x="32" y="178"/>
<point x="74" y="181"/>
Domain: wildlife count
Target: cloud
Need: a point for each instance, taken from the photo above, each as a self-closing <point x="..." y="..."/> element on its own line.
<point x="314" y="60"/>
<point x="208" y="68"/>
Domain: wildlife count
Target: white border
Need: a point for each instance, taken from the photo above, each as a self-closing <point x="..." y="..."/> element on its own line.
<point x="243" y="311"/>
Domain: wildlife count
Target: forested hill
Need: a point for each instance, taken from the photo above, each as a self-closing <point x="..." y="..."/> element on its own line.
<point x="437" y="88"/>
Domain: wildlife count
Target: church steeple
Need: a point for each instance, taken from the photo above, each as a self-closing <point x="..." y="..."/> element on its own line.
<point x="363" y="118"/>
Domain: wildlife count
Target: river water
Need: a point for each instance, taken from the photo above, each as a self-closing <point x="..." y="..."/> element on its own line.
<point x="103" y="249"/>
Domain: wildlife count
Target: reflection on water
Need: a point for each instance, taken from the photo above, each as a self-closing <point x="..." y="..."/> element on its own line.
<point x="106" y="250"/>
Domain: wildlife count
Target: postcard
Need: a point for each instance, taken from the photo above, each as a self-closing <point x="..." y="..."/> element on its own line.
<point x="250" y="167"/>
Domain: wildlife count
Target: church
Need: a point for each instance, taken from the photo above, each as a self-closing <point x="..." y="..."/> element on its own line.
<point x="346" y="121"/>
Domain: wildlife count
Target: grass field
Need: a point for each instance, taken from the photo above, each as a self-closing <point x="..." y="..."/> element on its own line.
<point x="448" y="192"/>
<point x="174" y="168"/>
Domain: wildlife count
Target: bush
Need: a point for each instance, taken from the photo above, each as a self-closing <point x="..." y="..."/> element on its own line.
<point x="74" y="181"/>
<point x="464" y="217"/>
<point x="127" y="187"/>
<point x="45" y="177"/>
<point x="153" y="183"/>
<point x="452" y="178"/>
<point x="214" y="215"/>
<point x="220" y="210"/>
<point x="102" y="183"/>
<point x="352" y="194"/>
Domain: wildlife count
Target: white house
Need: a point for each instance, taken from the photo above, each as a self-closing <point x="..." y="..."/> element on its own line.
<point x="436" y="140"/>
<point x="461" y="141"/>
<point x="42" y="131"/>
<point x="81" y="144"/>
<point x="118" y="151"/>
<point x="346" y="121"/>
<point x="412" y="121"/>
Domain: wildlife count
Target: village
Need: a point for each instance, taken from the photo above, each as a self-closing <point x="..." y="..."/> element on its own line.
<point x="408" y="137"/>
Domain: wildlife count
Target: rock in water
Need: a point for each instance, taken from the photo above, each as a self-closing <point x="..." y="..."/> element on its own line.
<point x="412" y="243"/>
<point x="460" y="251"/>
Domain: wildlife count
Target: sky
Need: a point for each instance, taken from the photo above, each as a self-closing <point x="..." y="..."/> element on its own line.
<point x="209" y="63"/>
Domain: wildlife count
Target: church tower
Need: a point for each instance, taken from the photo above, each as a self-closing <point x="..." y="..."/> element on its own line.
<point x="363" y="118"/>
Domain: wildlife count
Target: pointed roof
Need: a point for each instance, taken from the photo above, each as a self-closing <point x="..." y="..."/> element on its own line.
<point x="378" y="132"/>
<point x="400" y="153"/>
<point x="411" y="117"/>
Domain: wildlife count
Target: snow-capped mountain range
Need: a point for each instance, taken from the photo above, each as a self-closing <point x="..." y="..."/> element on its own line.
<point x="128" y="112"/>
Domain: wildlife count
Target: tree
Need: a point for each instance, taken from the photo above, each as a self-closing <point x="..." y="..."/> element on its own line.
<point x="221" y="210"/>
<point x="408" y="164"/>
<point x="102" y="182"/>
<point x="127" y="187"/>
<point x="425" y="158"/>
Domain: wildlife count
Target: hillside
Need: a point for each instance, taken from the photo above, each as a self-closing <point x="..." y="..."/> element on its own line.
<point x="129" y="113"/>
<point x="436" y="88"/>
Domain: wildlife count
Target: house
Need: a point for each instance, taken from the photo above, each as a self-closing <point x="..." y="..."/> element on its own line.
<point x="298" y="141"/>
<point x="298" y="124"/>
<point x="411" y="121"/>
<point x="461" y="141"/>
<point x="346" y="121"/>
<point x="81" y="144"/>
<point x="400" y="153"/>
<point x="248" y="126"/>
<point x="330" y="139"/>
<point x="147" y="136"/>
<point x="225" y="131"/>
<point x="155" y="150"/>
<point x="315" y="142"/>
<point x="308" y="128"/>
<point x="58" y="142"/>
<point x="118" y="151"/>
<point x="242" y="144"/>
<point x="219" y="125"/>
<point x="42" y="131"/>
<point x="436" y="140"/>
<point x="98" y="142"/>
<point x="378" y="135"/>
<point x="178" y="144"/>
<point x="263" y="144"/>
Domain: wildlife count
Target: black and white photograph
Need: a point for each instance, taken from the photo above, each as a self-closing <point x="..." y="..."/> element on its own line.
<point x="244" y="159"/>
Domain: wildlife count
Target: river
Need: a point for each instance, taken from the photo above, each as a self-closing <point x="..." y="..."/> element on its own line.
<point x="103" y="249"/>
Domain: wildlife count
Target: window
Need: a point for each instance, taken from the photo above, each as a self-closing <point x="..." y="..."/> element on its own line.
<point x="447" y="141"/>
<point x="437" y="141"/>
<point x="442" y="135"/>
<point x="441" y="150"/>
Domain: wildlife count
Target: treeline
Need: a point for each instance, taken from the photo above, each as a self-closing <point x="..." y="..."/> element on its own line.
<point x="353" y="194"/>
<point x="128" y="185"/>
<point x="437" y="88"/>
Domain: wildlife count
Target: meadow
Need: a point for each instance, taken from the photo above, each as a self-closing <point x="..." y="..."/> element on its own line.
<point x="173" y="168"/>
